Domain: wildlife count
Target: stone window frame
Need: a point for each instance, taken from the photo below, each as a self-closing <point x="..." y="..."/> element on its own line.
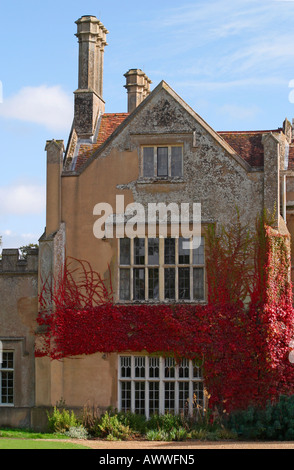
<point x="169" y="388"/>
<point x="162" y="266"/>
<point x="10" y="371"/>
<point x="155" y="176"/>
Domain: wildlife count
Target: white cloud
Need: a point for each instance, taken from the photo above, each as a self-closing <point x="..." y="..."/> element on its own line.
<point x="13" y="239"/>
<point x="214" y="19"/>
<point x="228" y="38"/>
<point x="22" y="199"/>
<point x="44" y="105"/>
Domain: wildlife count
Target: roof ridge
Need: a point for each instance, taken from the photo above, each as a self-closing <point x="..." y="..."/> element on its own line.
<point x="249" y="132"/>
<point x="115" y="114"/>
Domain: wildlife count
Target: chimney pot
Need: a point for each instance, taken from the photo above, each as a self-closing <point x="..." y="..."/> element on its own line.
<point x="138" y="87"/>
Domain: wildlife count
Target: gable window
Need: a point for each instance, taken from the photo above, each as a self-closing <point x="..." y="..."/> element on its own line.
<point x="162" y="161"/>
<point x="156" y="385"/>
<point x="7" y="378"/>
<point x="157" y="269"/>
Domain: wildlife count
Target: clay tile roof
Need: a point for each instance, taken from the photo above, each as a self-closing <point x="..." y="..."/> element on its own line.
<point x="109" y="123"/>
<point x="247" y="144"/>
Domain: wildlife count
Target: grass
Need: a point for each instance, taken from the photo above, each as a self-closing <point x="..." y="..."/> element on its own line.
<point x="28" y="434"/>
<point x="35" y="444"/>
<point x="28" y="439"/>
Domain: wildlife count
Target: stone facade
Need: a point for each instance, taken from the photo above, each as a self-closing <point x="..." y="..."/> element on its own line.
<point x="250" y="171"/>
<point x="19" y="308"/>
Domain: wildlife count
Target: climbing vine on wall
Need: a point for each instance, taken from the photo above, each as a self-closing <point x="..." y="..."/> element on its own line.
<point x="242" y="334"/>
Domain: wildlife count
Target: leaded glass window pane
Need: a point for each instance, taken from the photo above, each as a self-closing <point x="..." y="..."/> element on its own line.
<point x="124" y="284"/>
<point x="148" y="161"/>
<point x="197" y="370"/>
<point x="198" y="253"/>
<point x="139" y="283"/>
<point x="154" y="367"/>
<point x="162" y="161"/>
<point x="184" y="283"/>
<point x="7" y="360"/>
<point x="176" y="161"/>
<point x="153" y="283"/>
<point x="184" y="368"/>
<point x="153" y="398"/>
<point x="126" y="394"/>
<point x="139" y="251"/>
<point x="140" y="398"/>
<point x="169" y="251"/>
<point x="125" y="251"/>
<point x="139" y="367"/>
<point x="169" y="367"/>
<point x="169" y="396"/>
<point x="125" y="366"/>
<point x="184" y="251"/>
<point x="184" y="396"/>
<point x="170" y="283"/>
<point x="198" y="283"/>
<point x="153" y="251"/>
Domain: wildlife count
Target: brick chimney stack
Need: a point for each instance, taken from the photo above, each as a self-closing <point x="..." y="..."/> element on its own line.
<point x="89" y="102"/>
<point x="138" y="87"/>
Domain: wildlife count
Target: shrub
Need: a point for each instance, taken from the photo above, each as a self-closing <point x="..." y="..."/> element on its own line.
<point x="61" y="420"/>
<point x="113" y="426"/>
<point x="136" y="422"/>
<point x="157" y="435"/>
<point x="274" y="422"/>
<point x="166" y="422"/>
<point x="110" y="425"/>
<point x="199" y="434"/>
<point x="90" y="419"/>
<point x="77" y="432"/>
<point x="179" y="434"/>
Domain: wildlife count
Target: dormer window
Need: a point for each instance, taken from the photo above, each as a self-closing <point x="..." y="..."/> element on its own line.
<point x="162" y="161"/>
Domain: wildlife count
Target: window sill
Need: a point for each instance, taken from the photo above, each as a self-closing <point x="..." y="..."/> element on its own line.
<point x="160" y="180"/>
<point x="161" y="302"/>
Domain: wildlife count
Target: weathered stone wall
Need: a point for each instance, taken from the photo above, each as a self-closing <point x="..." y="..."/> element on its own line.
<point x="19" y="307"/>
<point x="214" y="176"/>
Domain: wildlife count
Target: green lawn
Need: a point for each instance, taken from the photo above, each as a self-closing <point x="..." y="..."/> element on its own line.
<point x="28" y="439"/>
<point x="33" y="444"/>
<point x="28" y="434"/>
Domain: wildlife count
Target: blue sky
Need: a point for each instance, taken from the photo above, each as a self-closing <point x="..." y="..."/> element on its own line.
<point x="231" y="61"/>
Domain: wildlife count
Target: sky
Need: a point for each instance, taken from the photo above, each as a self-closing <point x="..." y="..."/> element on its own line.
<point x="231" y="61"/>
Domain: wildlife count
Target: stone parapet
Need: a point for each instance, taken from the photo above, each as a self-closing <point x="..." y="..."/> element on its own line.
<point x="12" y="262"/>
